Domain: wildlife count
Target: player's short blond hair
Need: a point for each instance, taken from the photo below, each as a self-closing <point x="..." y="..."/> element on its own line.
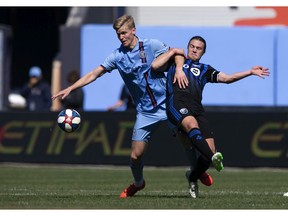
<point x="124" y="20"/>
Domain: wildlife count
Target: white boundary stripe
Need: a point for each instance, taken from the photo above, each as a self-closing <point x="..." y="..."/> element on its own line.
<point x="123" y="167"/>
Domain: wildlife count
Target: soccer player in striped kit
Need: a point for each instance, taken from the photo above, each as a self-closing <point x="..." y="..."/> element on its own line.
<point x="185" y="109"/>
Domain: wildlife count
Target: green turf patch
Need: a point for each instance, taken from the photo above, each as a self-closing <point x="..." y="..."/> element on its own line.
<point x="77" y="187"/>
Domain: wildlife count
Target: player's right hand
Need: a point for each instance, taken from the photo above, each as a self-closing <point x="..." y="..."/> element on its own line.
<point x="64" y="93"/>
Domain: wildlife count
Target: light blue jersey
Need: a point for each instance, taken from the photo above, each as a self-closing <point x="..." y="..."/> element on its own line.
<point x="148" y="88"/>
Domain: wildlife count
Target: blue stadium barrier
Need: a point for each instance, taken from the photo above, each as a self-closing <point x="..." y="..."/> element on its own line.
<point x="229" y="49"/>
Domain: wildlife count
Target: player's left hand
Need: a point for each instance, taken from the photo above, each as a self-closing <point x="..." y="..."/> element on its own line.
<point x="260" y="71"/>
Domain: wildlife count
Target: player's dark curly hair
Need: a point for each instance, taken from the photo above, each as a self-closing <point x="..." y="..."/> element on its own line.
<point x="197" y="37"/>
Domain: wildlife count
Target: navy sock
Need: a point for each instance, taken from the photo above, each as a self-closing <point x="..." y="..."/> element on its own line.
<point x="201" y="166"/>
<point x="200" y="143"/>
<point x="192" y="156"/>
<point x="137" y="171"/>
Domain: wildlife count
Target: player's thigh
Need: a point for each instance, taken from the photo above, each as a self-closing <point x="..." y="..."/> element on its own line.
<point x="146" y="124"/>
<point x="188" y="123"/>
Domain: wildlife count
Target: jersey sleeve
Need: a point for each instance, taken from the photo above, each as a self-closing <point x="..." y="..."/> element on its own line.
<point x="212" y="74"/>
<point x="109" y="63"/>
<point x="158" y="47"/>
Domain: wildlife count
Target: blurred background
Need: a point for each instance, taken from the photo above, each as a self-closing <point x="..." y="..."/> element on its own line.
<point x="79" y="38"/>
<point x="63" y="39"/>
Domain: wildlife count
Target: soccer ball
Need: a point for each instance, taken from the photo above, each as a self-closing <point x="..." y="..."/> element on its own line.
<point x="69" y="120"/>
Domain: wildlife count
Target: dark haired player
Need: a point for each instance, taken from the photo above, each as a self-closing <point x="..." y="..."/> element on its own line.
<point x="184" y="105"/>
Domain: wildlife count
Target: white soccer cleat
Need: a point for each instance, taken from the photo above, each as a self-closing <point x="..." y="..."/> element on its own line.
<point x="194" y="190"/>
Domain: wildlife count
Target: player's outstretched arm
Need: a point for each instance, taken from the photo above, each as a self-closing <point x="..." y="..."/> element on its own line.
<point x="230" y="78"/>
<point x="85" y="80"/>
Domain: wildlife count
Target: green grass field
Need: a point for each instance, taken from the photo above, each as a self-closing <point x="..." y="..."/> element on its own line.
<point x="94" y="187"/>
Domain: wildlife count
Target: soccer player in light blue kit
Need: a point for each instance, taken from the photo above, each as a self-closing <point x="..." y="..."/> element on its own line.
<point x="133" y="61"/>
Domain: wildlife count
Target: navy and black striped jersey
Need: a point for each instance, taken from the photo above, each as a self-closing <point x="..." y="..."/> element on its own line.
<point x="198" y="75"/>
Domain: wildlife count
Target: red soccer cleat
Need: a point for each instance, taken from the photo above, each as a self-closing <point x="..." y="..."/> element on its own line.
<point x="206" y="179"/>
<point x="131" y="190"/>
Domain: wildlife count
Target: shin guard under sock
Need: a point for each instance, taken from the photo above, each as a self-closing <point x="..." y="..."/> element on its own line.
<point x="200" y="143"/>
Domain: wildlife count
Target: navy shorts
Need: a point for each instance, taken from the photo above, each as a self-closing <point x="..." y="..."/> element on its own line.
<point x="176" y="112"/>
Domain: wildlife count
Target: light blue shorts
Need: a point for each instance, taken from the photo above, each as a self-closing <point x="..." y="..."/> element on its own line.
<point x="148" y="122"/>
